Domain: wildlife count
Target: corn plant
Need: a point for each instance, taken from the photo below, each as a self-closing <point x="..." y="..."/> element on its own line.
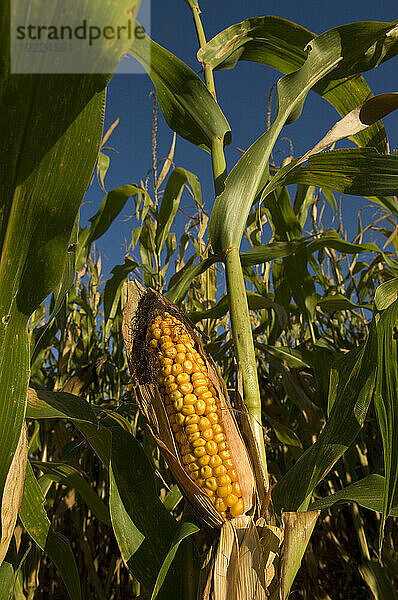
<point x="301" y="356"/>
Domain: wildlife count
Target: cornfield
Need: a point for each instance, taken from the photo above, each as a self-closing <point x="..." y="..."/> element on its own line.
<point x="217" y="419"/>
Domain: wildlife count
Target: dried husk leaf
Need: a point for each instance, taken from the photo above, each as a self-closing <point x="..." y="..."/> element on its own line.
<point x="249" y="579"/>
<point x="271" y="538"/>
<point x="225" y="563"/>
<point x="243" y="563"/>
<point x="142" y="307"/>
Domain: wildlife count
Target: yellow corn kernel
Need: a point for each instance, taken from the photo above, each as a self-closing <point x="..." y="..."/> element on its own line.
<point x="170" y="352"/>
<point x="188" y="367"/>
<point x="236" y="489"/>
<point x="183" y="377"/>
<point x="208" y="434"/>
<point x="224" y="480"/>
<point x="225" y="454"/>
<point x="179" y="358"/>
<point x="213" y="418"/>
<point x="237" y="508"/>
<point x="185" y="388"/>
<point x="197" y="375"/>
<point x="193" y="437"/>
<point x="179" y="405"/>
<point x="206" y="395"/>
<point x="220" y="470"/>
<point x="203" y="461"/>
<point x="190" y="399"/>
<point x="211" y="447"/>
<point x="175" y="395"/>
<point x="166" y="370"/>
<point x="188" y="410"/>
<point x="219" y="437"/>
<point x="215" y="461"/>
<point x="211" y="484"/>
<point x="170" y="387"/>
<point x="192" y="419"/>
<point x="200" y="407"/>
<point x="198" y="442"/>
<point x="220" y="505"/>
<point x="199" y="451"/>
<point x="156" y="333"/>
<point x="191" y="428"/>
<point x="204" y="424"/>
<point x="231" y="500"/>
<point x="206" y="472"/>
<point x="200" y="389"/>
<point x="223" y="490"/>
<point x="180" y="419"/>
<point x="176" y="369"/>
<point x="188" y="458"/>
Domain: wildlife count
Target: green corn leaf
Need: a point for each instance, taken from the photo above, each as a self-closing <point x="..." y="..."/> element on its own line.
<point x="293" y="357"/>
<point x="298" y="528"/>
<point x="352" y="390"/>
<point x="144" y="531"/>
<point x="51" y="129"/>
<point x="152" y="526"/>
<point x="335" y="302"/>
<point x="72" y="478"/>
<point x="337" y="47"/>
<point x="255" y="301"/>
<point x="110" y="208"/>
<point x="38" y="526"/>
<point x="284" y="434"/>
<point x="171" y="201"/>
<point x="177" y="290"/>
<point x="113" y="290"/>
<point x="328" y="239"/>
<point x="356" y="171"/>
<point x="185" y="530"/>
<point x="44" y="404"/>
<point x="367" y="492"/>
<point x="6" y="580"/>
<point x="281" y="44"/>
<point x="378" y="580"/>
<point x="67" y="280"/>
<point x="186" y="103"/>
<point x="128" y="536"/>
<point x="232" y="206"/>
<point x="386" y="401"/>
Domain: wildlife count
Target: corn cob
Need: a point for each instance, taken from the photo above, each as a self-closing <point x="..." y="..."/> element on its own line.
<point x="194" y="411"/>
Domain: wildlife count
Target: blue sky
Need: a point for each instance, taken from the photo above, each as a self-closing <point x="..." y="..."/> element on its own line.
<point x="242" y="94"/>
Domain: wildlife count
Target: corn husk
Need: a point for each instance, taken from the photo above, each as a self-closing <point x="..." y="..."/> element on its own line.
<point x="243" y="563"/>
<point x="142" y="307"/>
